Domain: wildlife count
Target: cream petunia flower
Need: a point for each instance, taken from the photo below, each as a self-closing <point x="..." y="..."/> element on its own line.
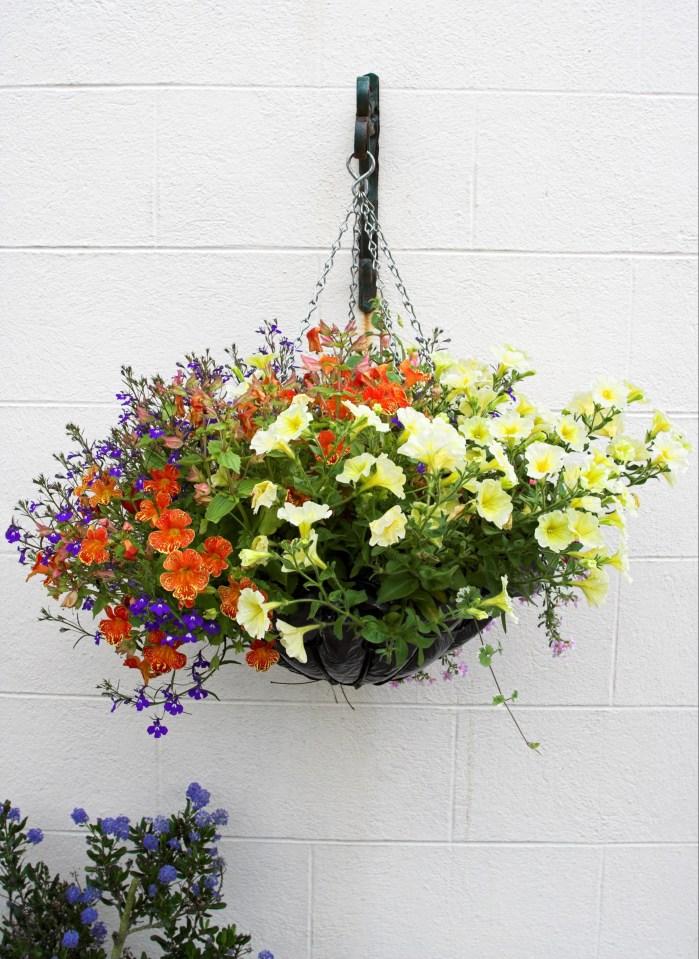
<point x="355" y="468"/>
<point x="502" y="601"/>
<point x="543" y="459"/>
<point x="252" y="613"/>
<point x="263" y="494"/>
<point x="594" y="586"/>
<point x="493" y="503"/>
<point x="503" y="464"/>
<point x="387" y="475"/>
<point x="291" y="638"/>
<point x="257" y="555"/>
<point x="304" y="516"/>
<point x="572" y="432"/>
<point x="585" y="528"/>
<point x="436" y="444"/>
<point x="607" y="393"/>
<point x="365" y="416"/>
<point x="388" y="529"/>
<point x="476" y="429"/>
<point x="510" y="358"/>
<point x="292" y="423"/>
<point x="553" y="531"/>
<point x="511" y="427"/>
<point x="304" y="552"/>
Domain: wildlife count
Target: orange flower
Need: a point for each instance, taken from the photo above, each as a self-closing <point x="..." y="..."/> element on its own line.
<point x="162" y="657"/>
<point x="85" y="482"/>
<point x="103" y="490"/>
<point x="116" y="627"/>
<point x="93" y="549"/>
<point x="147" y="512"/>
<point x="174" y="535"/>
<point x="230" y="594"/>
<point x="262" y="656"/>
<point x="135" y="662"/>
<point x="313" y="337"/>
<point x="164" y="484"/>
<point x="216" y="549"/>
<point x="411" y="375"/>
<point x="186" y="576"/>
<point x="130" y="551"/>
<point x="331" y="452"/>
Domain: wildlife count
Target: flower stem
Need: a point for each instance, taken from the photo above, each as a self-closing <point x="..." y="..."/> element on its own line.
<point x="125" y="920"/>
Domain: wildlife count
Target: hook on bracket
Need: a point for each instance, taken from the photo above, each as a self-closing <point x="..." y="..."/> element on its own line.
<point x="366" y="141"/>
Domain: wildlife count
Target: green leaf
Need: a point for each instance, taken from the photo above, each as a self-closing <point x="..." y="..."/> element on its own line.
<point x="230" y="460"/>
<point x="220" y="506"/>
<point x="498" y="700"/>
<point x="397" y="586"/>
<point x="485" y="655"/>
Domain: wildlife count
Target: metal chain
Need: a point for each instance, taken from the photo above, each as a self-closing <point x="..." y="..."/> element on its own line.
<point x="364" y="216"/>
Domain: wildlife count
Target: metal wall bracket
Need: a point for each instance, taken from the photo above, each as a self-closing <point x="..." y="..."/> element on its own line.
<point x="366" y="140"/>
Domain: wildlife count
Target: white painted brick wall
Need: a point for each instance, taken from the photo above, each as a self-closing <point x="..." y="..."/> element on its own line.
<point x="172" y="172"/>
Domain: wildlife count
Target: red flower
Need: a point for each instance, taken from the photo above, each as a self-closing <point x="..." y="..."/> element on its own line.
<point x="262" y="655"/>
<point x="186" y="576"/>
<point x="313" y="337"/>
<point x="116" y="627"/>
<point x="130" y="551"/>
<point x="175" y="535"/>
<point x="93" y="549"/>
<point x="164" y="484"/>
<point x="216" y="549"/>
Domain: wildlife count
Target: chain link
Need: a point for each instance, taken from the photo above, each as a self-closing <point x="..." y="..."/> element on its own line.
<point x="365" y="218"/>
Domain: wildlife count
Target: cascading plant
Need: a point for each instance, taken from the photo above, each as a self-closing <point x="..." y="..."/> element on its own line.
<point x="353" y="511"/>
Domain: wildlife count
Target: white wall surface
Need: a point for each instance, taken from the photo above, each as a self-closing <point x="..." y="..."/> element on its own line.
<point x="173" y="172"/>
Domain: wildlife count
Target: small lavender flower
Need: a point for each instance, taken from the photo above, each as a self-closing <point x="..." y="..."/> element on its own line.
<point x="156" y="729"/>
<point x="71" y="939"/>
<point x="73" y="894"/>
<point x="88" y="916"/>
<point x="167" y="874"/>
<point x="99" y="932"/>
<point x="14" y="814"/>
<point x="13" y="534"/>
<point x="220" y="817"/>
<point x="265" y="954"/>
<point x="35" y="836"/>
<point x="198" y="796"/>
<point x="150" y="842"/>
<point x="79" y="816"/>
<point x="161" y="824"/>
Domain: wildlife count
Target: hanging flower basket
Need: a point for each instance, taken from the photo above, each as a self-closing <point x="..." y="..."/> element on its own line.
<point x="352" y="505"/>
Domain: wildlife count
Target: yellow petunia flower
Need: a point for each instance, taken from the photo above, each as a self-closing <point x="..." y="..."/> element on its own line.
<point x="263" y="494"/>
<point x="388" y="529"/>
<point x="493" y="503"/>
<point x="553" y="531"/>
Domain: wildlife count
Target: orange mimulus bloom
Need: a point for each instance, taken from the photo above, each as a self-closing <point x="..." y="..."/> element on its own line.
<point x="147" y="512"/>
<point x="130" y="551"/>
<point x="103" y="490"/>
<point x="93" y="549"/>
<point x="379" y="389"/>
<point x="331" y="451"/>
<point x="85" y="481"/>
<point x="174" y="533"/>
<point x="216" y="549"/>
<point x="164" y="484"/>
<point x="162" y="657"/>
<point x="262" y="655"/>
<point x="186" y="576"/>
<point x="411" y="375"/>
<point x="135" y="662"/>
<point x="116" y="627"/>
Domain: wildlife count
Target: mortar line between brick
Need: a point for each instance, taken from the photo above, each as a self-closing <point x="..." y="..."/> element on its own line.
<point x="156" y="168"/>
<point x="600" y="904"/>
<point x="419" y="707"/>
<point x="474" y="176"/>
<point x="437" y="843"/>
<point x="630" y="318"/>
<point x="452" y="785"/>
<point x="413" y="91"/>
<point x="615" y="641"/>
<point x="422" y="251"/>
<point x="311" y="899"/>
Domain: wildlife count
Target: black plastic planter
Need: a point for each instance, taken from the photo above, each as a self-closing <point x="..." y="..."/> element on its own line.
<point x="352" y="661"/>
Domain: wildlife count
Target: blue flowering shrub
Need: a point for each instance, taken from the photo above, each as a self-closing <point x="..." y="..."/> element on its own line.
<point x="162" y="875"/>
